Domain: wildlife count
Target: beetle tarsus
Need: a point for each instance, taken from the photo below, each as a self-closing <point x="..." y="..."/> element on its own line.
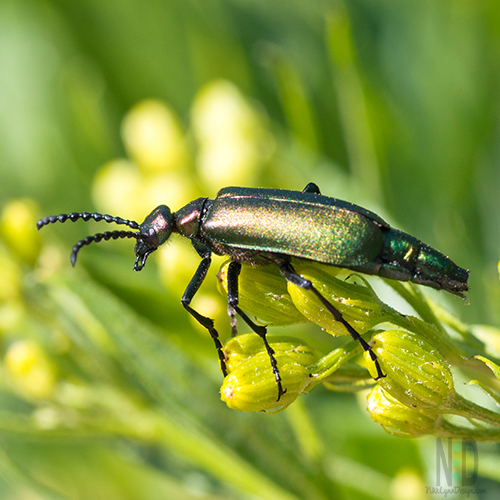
<point x="274" y="365"/>
<point x="368" y="348"/>
<point x="208" y="323"/>
<point x="379" y="372"/>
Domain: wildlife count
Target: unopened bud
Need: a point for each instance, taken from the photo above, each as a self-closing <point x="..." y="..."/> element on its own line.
<point x="153" y="137"/>
<point x="18" y="229"/>
<point x="251" y="385"/>
<point x="358" y="303"/>
<point x="30" y="369"/>
<point x="397" y="418"/>
<point x="417" y="375"/>
<point x="263" y="294"/>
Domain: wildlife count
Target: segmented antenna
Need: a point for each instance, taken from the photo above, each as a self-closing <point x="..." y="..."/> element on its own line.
<point x="86" y="216"/>
<point x="99" y="237"/>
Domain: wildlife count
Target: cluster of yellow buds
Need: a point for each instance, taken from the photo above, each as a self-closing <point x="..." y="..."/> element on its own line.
<point x="413" y="397"/>
<point x="26" y="366"/>
<point x="264" y="293"/>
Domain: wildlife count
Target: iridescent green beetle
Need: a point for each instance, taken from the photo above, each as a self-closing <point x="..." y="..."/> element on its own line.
<point x="270" y="226"/>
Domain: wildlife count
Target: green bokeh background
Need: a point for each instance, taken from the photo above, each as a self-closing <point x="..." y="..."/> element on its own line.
<point x="393" y="105"/>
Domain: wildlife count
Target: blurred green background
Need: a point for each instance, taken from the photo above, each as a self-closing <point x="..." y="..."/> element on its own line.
<point x="108" y="390"/>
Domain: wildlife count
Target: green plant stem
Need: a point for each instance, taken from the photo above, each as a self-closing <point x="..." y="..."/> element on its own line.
<point x="331" y="362"/>
<point x="464" y="408"/>
<point x="414" y="297"/>
<point x="446" y="429"/>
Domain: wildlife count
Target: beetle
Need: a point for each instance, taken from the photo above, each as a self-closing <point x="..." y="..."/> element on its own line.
<point x="270" y="226"/>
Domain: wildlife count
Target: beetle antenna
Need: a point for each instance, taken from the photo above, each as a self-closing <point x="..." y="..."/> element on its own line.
<point x="86" y="216"/>
<point x="115" y="235"/>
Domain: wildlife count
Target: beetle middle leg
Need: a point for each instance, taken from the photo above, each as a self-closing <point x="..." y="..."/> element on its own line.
<point x="290" y="275"/>
<point x="233" y="272"/>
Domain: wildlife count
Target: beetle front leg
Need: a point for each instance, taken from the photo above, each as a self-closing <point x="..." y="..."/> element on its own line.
<point x="290" y="275"/>
<point x="208" y="323"/>
<point x="233" y="272"/>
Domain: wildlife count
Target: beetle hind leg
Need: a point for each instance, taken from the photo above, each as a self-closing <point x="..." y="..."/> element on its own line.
<point x="233" y="273"/>
<point x="290" y="275"/>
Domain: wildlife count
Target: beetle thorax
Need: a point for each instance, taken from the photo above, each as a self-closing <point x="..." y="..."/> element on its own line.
<point x="187" y="219"/>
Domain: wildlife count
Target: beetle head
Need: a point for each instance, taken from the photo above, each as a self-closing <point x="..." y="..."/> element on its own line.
<point x="154" y="231"/>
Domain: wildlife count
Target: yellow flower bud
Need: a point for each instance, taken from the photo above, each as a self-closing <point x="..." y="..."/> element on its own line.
<point x="397" y="418"/>
<point x="153" y="137"/>
<point x="358" y="303"/>
<point x="120" y="188"/>
<point x="251" y="385"/>
<point x="115" y="188"/>
<point x="417" y="374"/>
<point x="18" y="229"/>
<point x="263" y="294"/>
<point x="233" y="142"/>
<point x="30" y="369"/>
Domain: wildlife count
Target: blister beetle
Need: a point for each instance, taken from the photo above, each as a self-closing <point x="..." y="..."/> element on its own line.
<point x="270" y="226"/>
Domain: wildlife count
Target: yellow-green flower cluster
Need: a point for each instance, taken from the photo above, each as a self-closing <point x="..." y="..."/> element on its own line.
<point x="154" y="173"/>
<point x="26" y="366"/>
<point x="230" y="145"/>
<point x="265" y="294"/>
<point x="412" y="398"/>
